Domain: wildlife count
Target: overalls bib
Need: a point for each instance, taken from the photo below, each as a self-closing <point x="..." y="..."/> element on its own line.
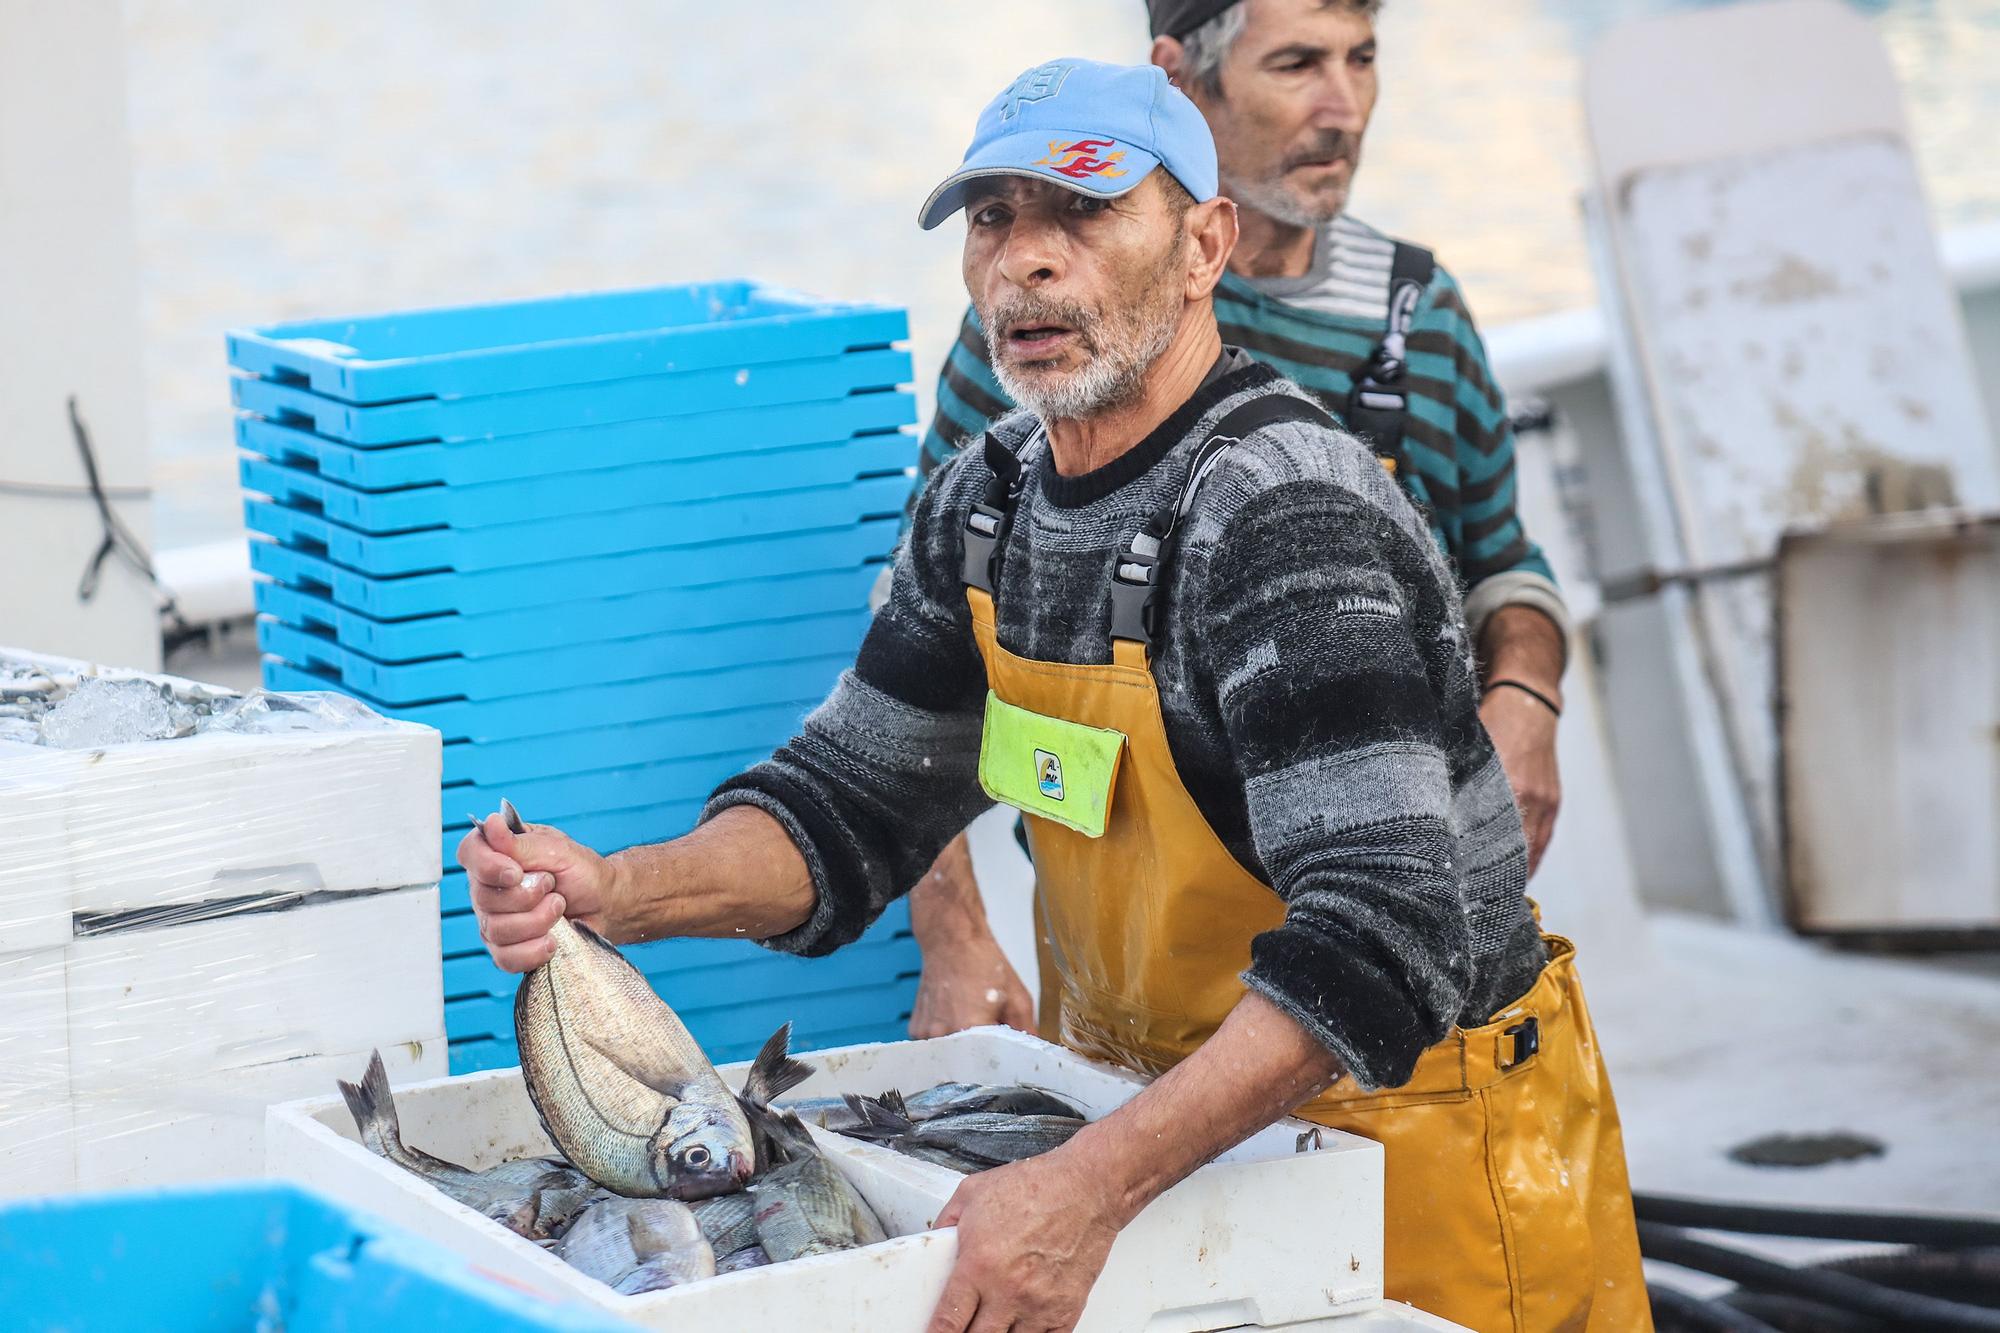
<point x="1507" y="1206"/>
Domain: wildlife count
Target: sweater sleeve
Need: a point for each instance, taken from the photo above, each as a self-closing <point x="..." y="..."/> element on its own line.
<point x="885" y="772"/>
<point x="1330" y="680"/>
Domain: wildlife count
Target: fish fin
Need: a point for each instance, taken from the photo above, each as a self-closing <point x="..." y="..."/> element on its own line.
<point x="522" y="1220"/>
<point x="877" y="1119"/>
<point x="894" y="1101"/>
<point x="374" y="1108"/>
<point x="512" y="816"/>
<point x="644" y="1067"/>
<point x="774" y="1073"/>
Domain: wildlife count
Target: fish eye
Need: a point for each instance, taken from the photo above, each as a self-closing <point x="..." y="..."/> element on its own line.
<point x="697" y="1157"/>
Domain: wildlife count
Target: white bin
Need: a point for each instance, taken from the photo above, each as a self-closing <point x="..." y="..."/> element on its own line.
<point x="1265" y="1235"/>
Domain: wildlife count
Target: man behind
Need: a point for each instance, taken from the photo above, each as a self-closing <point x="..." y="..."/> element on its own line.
<point x="1288" y="88"/>
<point x="1280" y="860"/>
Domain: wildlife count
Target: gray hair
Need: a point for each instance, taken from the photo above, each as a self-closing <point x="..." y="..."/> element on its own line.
<point x="1204" y="49"/>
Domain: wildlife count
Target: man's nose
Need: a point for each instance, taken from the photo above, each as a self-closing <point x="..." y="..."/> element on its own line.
<point x="1337" y="102"/>
<point x="1033" y="255"/>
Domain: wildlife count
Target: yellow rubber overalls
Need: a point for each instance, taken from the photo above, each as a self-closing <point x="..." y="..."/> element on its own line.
<point x="1507" y="1203"/>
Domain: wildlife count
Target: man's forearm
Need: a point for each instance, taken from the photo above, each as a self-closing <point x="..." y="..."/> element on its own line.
<point x="738" y="875"/>
<point x="1258" y="1066"/>
<point x="1520" y="643"/>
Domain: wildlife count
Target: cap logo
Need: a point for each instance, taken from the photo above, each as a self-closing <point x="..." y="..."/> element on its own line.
<point x="1079" y="159"/>
<point x="1037" y="85"/>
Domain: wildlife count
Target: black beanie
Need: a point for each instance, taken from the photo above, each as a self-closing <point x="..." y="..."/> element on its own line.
<point x="1178" y="18"/>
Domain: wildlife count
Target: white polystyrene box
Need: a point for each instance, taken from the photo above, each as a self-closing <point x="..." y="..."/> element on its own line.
<point x="34" y="1075"/>
<point x="340" y="974"/>
<point x="146" y="1132"/>
<point x="214" y="816"/>
<point x="1214" y="1252"/>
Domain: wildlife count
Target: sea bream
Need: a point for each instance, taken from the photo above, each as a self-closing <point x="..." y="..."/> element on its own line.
<point x="804" y="1205"/>
<point x="534" y="1198"/>
<point x="638" y="1245"/>
<point x="620" y="1085"/>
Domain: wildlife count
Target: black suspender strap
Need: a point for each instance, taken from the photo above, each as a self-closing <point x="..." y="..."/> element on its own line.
<point x="986" y="523"/>
<point x="1378" y="406"/>
<point x="1135" y="579"/>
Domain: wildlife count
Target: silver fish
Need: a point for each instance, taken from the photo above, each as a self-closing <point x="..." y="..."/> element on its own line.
<point x="534" y="1198"/>
<point x="753" y="1257"/>
<point x="945" y="1099"/>
<point x="638" y="1245"/>
<point x="987" y="1138"/>
<point x="621" y="1087"/>
<point x="729" y="1221"/>
<point x="804" y="1205"/>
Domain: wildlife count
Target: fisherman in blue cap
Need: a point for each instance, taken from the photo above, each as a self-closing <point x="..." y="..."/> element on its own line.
<point x="1377" y="331"/>
<point x="1197" y="635"/>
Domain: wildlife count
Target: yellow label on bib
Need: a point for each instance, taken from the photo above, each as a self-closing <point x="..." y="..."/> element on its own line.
<point x="1060" y="771"/>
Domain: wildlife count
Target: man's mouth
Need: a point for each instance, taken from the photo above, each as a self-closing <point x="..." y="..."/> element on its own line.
<point x="1037" y="339"/>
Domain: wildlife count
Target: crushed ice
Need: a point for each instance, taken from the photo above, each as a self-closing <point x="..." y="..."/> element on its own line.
<point x="46" y="705"/>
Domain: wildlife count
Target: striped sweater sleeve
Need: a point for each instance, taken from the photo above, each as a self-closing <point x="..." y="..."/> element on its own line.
<point x="1332" y="709"/>
<point x="1493" y="547"/>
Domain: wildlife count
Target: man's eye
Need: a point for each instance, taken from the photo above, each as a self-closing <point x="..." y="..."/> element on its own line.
<point x="990" y="216"/>
<point x="1084" y="203"/>
<point x="1363" y="59"/>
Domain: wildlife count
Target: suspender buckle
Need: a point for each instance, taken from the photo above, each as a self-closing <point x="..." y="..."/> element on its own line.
<point x="1133" y="583"/>
<point x="985" y="529"/>
<point x="1527" y="1035"/>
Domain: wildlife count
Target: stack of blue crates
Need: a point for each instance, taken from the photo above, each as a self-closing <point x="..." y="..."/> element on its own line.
<point x="613" y="547"/>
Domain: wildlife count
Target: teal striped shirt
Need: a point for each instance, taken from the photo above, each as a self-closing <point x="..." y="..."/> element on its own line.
<point x="1458" y="446"/>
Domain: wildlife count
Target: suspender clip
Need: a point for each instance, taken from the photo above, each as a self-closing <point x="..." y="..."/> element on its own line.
<point x="985" y="529"/>
<point x="1133" y="583"/>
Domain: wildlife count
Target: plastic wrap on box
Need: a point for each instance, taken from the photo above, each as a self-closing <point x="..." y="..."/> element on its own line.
<point x="125" y="798"/>
<point x="209" y="902"/>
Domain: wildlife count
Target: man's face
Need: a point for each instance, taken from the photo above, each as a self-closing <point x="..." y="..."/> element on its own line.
<point x="1297" y="91"/>
<point x="1079" y="296"/>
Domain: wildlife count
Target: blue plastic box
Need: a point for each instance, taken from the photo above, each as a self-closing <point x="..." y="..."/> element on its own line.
<point x="595" y="620"/>
<point x="739" y="434"/>
<point x="568" y="406"/>
<point x="487" y="504"/>
<point x="704" y="532"/>
<point x="569" y="339"/>
<point x="259" y="1256"/>
<point x="556" y="666"/>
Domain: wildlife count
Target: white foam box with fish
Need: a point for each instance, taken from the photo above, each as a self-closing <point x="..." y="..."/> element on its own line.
<point x="168" y="823"/>
<point x="1211" y="1253"/>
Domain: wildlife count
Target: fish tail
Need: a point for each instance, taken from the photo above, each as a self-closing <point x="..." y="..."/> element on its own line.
<point x="774" y="1072"/>
<point x="374" y="1110"/>
<point x="880" y="1117"/>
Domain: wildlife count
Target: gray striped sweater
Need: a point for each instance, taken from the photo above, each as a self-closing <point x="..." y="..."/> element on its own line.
<point x="1320" y="700"/>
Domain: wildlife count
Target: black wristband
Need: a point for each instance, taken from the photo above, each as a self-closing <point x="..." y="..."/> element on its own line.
<point x="1528" y="690"/>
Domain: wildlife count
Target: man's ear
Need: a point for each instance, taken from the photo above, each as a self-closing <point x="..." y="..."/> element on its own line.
<point x="1212" y="238"/>
<point x="1169" y="55"/>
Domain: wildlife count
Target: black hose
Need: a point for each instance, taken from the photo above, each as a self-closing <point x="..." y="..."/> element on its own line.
<point x="1674" y="1246"/>
<point x="1970" y="1276"/>
<point x="1816" y="1223"/>
<point x="1793" y="1314"/>
<point x="1677" y="1312"/>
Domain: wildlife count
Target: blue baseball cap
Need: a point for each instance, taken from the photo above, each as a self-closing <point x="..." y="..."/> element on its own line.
<point x="1090" y="127"/>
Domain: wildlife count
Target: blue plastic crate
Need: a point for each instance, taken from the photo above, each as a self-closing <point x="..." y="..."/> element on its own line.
<point x="257" y="1255"/>
<point x="573" y="666"/>
<point x="564" y="407"/>
<point x="747" y="970"/>
<point x="569" y="339"/>
<point x="742" y="434"/>
<point x="555" y="799"/>
<point x="706" y="532"/>
<point x="498" y="633"/>
<point x="488" y="504"/>
<point x="562" y="581"/>
<point x="735" y="1027"/>
<point x="712" y="704"/>
<point x="461" y="939"/>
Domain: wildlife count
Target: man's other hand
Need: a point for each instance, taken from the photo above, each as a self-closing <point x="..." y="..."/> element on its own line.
<point x="969" y="984"/>
<point x="523" y="883"/>
<point x="1524" y="734"/>
<point x="1032" y="1239"/>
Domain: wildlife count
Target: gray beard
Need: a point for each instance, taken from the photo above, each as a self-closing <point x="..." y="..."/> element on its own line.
<point x="1114" y="376"/>
<point x="1273" y="200"/>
